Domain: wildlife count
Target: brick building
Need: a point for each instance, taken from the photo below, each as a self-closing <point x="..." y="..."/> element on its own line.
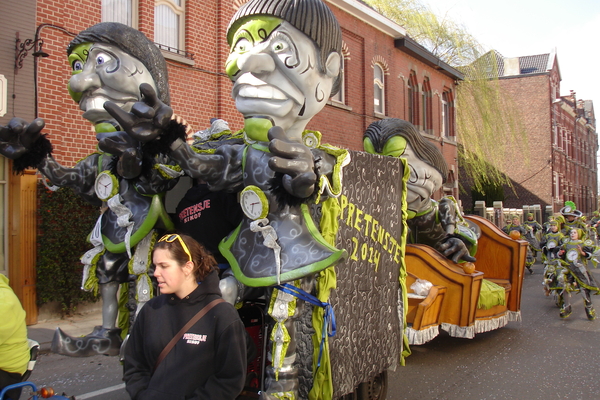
<point x="386" y="75"/>
<point x="556" y="162"/>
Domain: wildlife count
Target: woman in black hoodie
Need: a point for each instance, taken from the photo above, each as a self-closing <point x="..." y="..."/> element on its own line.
<point x="209" y="360"/>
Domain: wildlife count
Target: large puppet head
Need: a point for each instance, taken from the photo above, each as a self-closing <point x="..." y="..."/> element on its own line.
<point x="285" y="63"/>
<point x="109" y="62"/>
<point x="398" y="138"/>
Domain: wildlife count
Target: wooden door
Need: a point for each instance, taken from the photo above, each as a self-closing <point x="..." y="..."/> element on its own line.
<point x="22" y="234"/>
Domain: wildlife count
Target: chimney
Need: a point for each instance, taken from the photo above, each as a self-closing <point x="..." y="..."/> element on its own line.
<point x="511" y="66"/>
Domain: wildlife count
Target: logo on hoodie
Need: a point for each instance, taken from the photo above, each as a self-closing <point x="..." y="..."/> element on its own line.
<point x="194" y="338"/>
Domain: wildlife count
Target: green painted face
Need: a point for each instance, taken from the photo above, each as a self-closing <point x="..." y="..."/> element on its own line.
<point x="276" y="78"/>
<point x="104" y="72"/>
<point x="77" y="60"/>
<point x="423" y="181"/>
<point x="250" y="34"/>
<point x="394" y="147"/>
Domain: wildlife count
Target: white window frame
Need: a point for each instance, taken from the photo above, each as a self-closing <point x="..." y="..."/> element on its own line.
<point x="134" y="13"/>
<point x="427" y="110"/>
<point x="340" y="96"/>
<point x="380" y="83"/>
<point x="179" y="11"/>
<point x="444" y="132"/>
<point x="447" y="118"/>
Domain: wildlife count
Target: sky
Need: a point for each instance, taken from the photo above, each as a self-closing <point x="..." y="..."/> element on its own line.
<point x="517" y="28"/>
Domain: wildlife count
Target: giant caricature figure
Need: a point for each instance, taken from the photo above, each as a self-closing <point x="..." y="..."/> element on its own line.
<point x="109" y="62"/>
<point x="285" y="63"/>
<point x="437" y="224"/>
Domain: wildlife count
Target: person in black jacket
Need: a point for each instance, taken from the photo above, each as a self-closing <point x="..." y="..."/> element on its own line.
<point x="208" y="217"/>
<point x="209" y="361"/>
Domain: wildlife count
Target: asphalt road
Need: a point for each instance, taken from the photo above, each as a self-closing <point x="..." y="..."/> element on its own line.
<point x="542" y="357"/>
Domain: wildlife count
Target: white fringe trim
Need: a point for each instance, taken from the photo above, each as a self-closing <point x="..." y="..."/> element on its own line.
<point x="482" y="325"/>
<point x="422" y="336"/>
<point x="514" y="316"/>
<point x="467" y="332"/>
<point x="486" y="325"/>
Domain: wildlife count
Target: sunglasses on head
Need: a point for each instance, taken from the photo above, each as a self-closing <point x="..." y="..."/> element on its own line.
<point x="171" y="238"/>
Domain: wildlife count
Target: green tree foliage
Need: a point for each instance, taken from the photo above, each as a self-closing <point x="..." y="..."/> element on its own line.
<point x="487" y="120"/>
<point x="65" y="222"/>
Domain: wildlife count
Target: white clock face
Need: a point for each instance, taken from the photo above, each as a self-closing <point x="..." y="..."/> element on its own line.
<point x="251" y="204"/>
<point x="572" y="255"/>
<point x="104" y="186"/>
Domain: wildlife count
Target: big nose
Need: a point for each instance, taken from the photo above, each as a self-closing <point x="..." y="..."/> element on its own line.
<point x="256" y="63"/>
<point x="84" y="81"/>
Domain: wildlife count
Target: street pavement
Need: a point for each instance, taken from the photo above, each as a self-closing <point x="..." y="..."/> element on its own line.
<point x="541" y="357"/>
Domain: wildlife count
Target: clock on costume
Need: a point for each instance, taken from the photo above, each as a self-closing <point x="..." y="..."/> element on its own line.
<point x="107" y="185"/>
<point x="254" y="202"/>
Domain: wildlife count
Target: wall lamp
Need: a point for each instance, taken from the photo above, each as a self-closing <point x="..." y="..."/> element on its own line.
<point x="35" y="45"/>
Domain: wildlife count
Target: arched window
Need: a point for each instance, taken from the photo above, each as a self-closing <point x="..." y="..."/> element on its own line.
<point x="413" y="99"/>
<point x="169" y="24"/>
<point x="340" y="96"/>
<point x="427" y="105"/>
<point x="448" y="114"/>
<point x="378" y="89"/>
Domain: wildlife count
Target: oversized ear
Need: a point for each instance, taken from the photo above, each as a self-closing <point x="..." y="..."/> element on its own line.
<point x="333" y="64"/>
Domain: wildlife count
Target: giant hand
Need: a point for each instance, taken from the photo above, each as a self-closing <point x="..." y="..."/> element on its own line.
<point x="295" y="161"/>
<point x="18" y="137"/>
<point x="121" y="144"/>
<point x="455" y="249"/>
<point x="147" y="119"/>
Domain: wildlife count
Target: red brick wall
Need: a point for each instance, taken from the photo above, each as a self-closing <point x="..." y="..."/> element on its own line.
<point x="532" y="162"/>
<point x="202" y="91"/>
<point x="527" y="161"/>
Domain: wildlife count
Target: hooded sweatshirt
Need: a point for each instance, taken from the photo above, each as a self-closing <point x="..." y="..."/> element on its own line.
<point x="208" y="362"/>
<point x="14" y="350"/>
<point x="208" y="217"/>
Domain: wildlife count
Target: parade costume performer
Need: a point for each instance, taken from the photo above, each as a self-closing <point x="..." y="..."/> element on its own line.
<point x="536" y="228"/>
<point x="289" y="53"/>
<point x="124" y="178"/>
<point x="593" y="226"/>
<point x="551" y="241"/>
<point x="550" y="244"/>
<point x="209" y="361"/>
<point x="576" y="252"/>
<point x="14" y="349"/>
<point x="547" y="223"/>
<point x="532" y="223"/>
<point x="437" y="224"/>
<point x="571" y="218"/>
<point x="526" y="233"/>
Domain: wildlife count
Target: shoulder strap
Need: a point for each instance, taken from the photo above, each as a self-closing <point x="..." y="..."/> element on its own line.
<point x="187" y="326"/>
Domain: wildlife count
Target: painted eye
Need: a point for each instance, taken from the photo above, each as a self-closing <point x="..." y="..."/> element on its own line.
<point x="102" y="58"/>
<point x="242" y="46"/>
<point x="78" y="66"/>
<point x="279" y="46"/>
